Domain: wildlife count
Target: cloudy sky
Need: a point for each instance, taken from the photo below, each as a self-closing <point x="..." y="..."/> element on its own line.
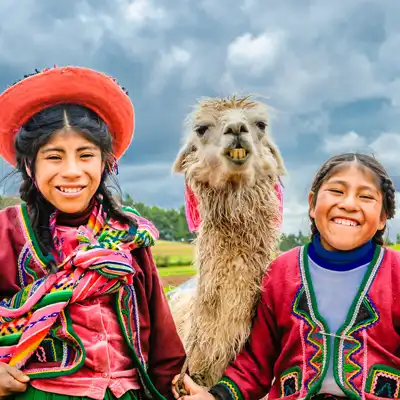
<point x="331" y="69"/>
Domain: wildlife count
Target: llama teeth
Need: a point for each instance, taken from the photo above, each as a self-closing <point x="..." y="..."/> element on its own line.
<point x="237" y="154"/>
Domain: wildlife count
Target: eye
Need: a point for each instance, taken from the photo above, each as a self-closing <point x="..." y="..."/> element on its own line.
<point x="201" y="130"/>
<point x="335" y="191"/>
<point x="261" y="125"/>
<point x="87" y="155"/>
<point x="53" y="158"/>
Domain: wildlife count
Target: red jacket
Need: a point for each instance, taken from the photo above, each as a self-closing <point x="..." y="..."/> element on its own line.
<point x="288" y="350"/>
<point x="21" y="262"/>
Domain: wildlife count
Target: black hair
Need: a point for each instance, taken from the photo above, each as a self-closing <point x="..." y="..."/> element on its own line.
<point x="35" y="134"/>
<point x="370" y="163"/>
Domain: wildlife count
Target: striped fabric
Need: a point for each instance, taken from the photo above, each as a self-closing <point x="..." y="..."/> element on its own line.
<point x="101" y="264"/>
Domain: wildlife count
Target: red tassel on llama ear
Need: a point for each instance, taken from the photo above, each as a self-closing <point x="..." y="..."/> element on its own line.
<point x="192" y="210"/>
<point x="279" y="193"/>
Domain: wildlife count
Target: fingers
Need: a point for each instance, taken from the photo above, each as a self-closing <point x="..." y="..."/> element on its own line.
<point x="12" y="380"/>
<point x="9" y="385"/>
<point x="17" y="374"/>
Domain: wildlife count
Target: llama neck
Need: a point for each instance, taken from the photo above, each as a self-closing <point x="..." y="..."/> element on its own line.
<point x="237" y="238"/>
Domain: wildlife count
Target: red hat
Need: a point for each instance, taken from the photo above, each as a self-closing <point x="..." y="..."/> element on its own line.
<point x="74" y="85"/>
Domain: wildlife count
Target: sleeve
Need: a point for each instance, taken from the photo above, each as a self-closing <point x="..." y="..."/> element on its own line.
<point x="250" y="375"/>
<point x="166" y="355"/>
<point x="11" y="244"/>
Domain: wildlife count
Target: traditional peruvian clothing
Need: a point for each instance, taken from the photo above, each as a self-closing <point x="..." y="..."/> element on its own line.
<point x="100" y="326"/>
<point x="297" y="349"/>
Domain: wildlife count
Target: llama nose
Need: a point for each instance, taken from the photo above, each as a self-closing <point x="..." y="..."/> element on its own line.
<point x="235" y="128"/>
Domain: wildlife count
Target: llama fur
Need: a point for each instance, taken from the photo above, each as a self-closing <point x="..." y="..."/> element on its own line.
<point x="237" y="238"/>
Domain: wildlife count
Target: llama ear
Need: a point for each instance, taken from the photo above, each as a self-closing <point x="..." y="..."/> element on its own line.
<point x="179" y="163"/>
<point x="278" y="157"/>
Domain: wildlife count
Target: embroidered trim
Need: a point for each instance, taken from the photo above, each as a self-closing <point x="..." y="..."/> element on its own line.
<point x="304" y="307"/>
<point x="232" y="387"/>
<point x="290" y="381"/>
<point x="362" y="315"/>
<point x="383" y="382"/>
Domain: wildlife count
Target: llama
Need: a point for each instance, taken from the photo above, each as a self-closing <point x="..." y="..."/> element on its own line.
<point x="232" y="166"/>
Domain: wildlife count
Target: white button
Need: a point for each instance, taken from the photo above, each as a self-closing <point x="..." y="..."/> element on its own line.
<point x="100" y="336"/>
<point x="104" y="375"/>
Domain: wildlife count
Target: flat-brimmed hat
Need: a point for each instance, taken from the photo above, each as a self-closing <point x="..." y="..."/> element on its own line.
<point x="62" y="85"/>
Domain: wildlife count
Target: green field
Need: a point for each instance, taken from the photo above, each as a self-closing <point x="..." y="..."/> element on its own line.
<point x="182" y="253"/>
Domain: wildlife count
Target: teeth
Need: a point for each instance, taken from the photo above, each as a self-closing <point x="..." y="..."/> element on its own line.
<point x="237" y="154"/>
<point x="70" y="190"/>
<point x="347" y="222"/>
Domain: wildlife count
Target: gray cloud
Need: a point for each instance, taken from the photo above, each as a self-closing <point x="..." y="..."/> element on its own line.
<point x="328" y="69"/>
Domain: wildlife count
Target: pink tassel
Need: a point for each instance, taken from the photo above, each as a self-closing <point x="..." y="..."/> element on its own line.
<point x="192" y="210"/>
<point x="192" y="207"/>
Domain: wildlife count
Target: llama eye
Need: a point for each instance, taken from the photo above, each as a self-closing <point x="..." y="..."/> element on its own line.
<point x="201" y="130"/>
<point x="261" y="125"/>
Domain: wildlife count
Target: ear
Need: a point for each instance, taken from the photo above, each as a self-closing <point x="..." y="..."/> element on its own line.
<point x="179" y="163"/>
<point x="311" y="208"/>
<point x="278" y="157"/>
<point x="28" y="170"/>
<point x="382" y="222"/>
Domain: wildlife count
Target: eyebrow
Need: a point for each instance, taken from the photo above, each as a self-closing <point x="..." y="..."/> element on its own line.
<point x="61" y="150"/>
<point x="344" y="183"/>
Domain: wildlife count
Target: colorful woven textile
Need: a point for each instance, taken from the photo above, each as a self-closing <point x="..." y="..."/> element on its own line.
<point x="101" y="264"/>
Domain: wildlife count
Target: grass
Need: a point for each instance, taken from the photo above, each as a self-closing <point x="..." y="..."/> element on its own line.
<point x="173" y="249"/>
<point x="177" y="271"/>
<point x="395" y="247"/>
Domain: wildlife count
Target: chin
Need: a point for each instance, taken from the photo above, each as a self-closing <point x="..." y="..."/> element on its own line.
<point x="344" y="245"/>
<point x="71" y="208"/>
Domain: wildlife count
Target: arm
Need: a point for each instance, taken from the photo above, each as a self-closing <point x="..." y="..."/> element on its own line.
<point x="166" y="353"/>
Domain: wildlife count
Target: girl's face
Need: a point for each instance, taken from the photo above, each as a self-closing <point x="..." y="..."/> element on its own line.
<point x="348" y="208"/>
<point x="68" y="171"/>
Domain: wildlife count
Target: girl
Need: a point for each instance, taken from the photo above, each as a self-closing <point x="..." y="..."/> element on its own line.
<point x="328" y="323"/>
<point x="83" y="314"/>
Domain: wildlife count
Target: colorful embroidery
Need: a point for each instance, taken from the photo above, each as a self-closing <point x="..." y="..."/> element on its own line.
<point x="305" y="309"/>
<point x="231" y="386"/>
<point x="363" y="315"/>
<point x="301" y="309"/>
<point x="290" y="381"/>
<point x="101" y="264"/>
<point x="384" y="382"/>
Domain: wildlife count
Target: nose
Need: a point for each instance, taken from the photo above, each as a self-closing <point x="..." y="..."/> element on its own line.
<point x="349" y="203"/>
<point x="71" y="169"/>
<point x="235" y="128"/>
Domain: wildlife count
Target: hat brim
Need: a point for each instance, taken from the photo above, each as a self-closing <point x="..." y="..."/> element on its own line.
<point x="73" y="85"/>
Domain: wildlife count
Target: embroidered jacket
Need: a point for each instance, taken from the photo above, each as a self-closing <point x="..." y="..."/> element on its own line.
<point x="289" y="348"/>
<point x="147" y="326"/>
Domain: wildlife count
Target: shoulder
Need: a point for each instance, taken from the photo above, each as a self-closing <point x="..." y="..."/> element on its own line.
<point x="10" y="219"/>
<point x="287" y="258"/>
<point x="391" y="256"/>
<point x="10" y="212"/>
<point x="283" y="267"/>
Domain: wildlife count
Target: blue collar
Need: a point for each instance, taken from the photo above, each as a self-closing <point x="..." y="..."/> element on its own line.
<point x="340" y="260"/>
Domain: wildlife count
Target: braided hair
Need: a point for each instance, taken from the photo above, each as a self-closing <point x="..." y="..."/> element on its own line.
<point x="35" y="134"/>
<point x="372" y="164"/>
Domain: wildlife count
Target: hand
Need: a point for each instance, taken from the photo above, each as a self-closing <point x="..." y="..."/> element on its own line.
<point x="195" y="391"/>
<point x="12" y="380"/>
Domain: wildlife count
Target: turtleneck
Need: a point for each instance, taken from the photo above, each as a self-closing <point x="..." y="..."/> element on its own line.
<point x="340" y="260"/>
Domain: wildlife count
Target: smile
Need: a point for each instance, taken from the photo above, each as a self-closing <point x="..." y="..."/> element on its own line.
<point x="345" y="222"/>
<point x="238" y="155"/>
<point x="70" y="190"/>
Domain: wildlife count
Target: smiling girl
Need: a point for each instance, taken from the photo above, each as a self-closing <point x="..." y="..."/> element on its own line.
<point x="328" y="323"/>
<point x="82" y="311"/>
